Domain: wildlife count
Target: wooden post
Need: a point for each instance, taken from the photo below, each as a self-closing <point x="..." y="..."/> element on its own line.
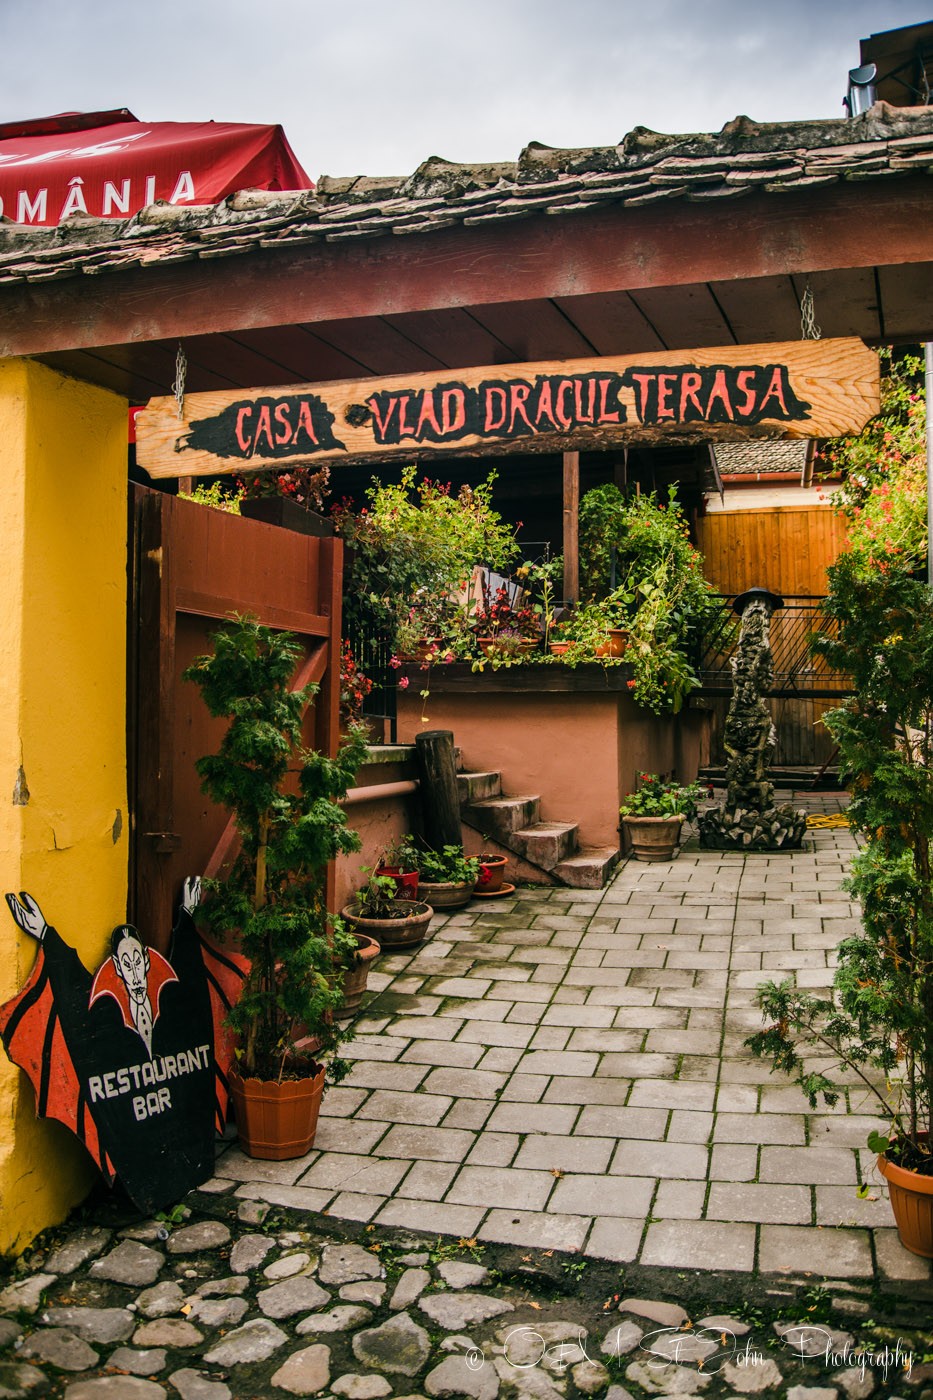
<point x="439" y="797"/>
<point x="571" y="527"/>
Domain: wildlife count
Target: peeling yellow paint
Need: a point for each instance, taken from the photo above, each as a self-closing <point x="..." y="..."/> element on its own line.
<point x="62" y="721"/>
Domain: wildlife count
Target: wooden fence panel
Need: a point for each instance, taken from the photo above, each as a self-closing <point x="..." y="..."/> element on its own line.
<point x="802" y="740"/>
<point x="191" y="567"/>
<point x="787" y="549"/>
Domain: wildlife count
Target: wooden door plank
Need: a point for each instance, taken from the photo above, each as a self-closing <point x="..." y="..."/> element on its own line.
<point x="196" y="565"/>
<point x="212" y="605"/>
<point x="153" y="825"/>
<point x="452" y="337"/>
<point x="301" y="352"/>
<point x="382" y="348"/>
<point x="845" y="299"/>
<point x="906" y="302"/>
<point x="230" y="356"/>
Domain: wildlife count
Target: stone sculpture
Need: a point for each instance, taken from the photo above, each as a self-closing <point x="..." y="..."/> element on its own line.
<point x="749" y="820"/>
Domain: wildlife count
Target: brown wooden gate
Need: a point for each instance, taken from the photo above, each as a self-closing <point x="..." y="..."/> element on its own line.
<point x="191" y="567"/>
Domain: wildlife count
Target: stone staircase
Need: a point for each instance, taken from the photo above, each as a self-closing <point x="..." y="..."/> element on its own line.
<point x="515" y="823"/>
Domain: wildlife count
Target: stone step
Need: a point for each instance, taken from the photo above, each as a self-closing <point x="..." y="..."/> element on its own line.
<point x="589" y="869"/>
<point x="547" y="843"/>
<point x="501" y="816"/>
<point x="476" y="787"/>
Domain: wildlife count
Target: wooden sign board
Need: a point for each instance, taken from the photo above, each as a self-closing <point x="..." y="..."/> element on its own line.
<point x="794" y="389"/>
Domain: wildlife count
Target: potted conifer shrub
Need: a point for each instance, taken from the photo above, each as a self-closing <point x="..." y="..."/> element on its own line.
<point x="877" y="1022"/>
<point x="284" y="799"/>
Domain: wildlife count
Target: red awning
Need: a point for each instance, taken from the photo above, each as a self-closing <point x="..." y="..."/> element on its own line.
<point x="108" y="164"/>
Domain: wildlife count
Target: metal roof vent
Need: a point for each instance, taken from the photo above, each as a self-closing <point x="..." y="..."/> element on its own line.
<point x="861" y="94"/>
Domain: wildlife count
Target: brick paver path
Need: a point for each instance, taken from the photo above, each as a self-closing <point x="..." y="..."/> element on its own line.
<point x="565" y="1069"/>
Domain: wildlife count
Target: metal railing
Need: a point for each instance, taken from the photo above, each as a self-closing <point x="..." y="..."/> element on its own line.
<point x="798" y="671"/>
<point x="371" y="653"/>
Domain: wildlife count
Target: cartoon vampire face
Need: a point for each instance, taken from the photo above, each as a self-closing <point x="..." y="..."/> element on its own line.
<point x="131" y="961"/>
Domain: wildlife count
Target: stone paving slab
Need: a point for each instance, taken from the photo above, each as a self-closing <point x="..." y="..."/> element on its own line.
<point x="601" y="1039"/>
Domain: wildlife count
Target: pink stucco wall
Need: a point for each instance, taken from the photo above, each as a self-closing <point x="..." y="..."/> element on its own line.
<point x="578" y="752"/>
<point x="378" y="820"/>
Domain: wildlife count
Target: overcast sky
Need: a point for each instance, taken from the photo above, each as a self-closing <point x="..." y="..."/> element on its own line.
<point x="376" y="86"/>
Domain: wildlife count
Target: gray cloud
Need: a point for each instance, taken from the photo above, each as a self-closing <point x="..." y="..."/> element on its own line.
<point x="377" y="85"/>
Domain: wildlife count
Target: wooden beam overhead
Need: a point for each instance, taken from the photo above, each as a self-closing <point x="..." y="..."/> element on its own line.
<point x="610" y="249"/>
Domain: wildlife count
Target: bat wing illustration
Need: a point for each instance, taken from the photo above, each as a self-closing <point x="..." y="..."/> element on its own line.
<point x="226" y="972"/>
<point x="32" y="1033"/>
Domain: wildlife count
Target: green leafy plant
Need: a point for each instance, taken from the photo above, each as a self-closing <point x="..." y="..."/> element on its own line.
<point x="883" y="493"/>
<point x="218" y="495"/>
<point x="656" y="798"/>
<point x="284" y="799"/>
<point x="878" y="1019"/>
<point x="641" y="572"/>
<point x="447" y="866"/>
<point x="378" y="899"/>
<point x="414" y="549"/>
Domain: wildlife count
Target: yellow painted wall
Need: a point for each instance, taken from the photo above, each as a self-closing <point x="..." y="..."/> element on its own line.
<point x="63" y="816"/>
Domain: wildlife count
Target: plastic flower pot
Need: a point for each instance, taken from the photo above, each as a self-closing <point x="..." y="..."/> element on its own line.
<point x="277" y="1119"/>
<point x="406" y="881"/>
<point x="911" y="1196"/>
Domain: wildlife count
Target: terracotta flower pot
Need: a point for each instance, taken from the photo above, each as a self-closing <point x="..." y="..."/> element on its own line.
<point x="354" y="984"/>
<point x="559" y="648"/>
<point x="423" y="651"/>
<point x="912" y="1203"/>
<point x="615" y="643"/>
<point x="653" y="838"/>
<point x="390" y="934"/>
<point x="277" y="1120"/>
<point x="523" y="645"/>
<point x="491" y="873"/>
<point x="448" y="895"/>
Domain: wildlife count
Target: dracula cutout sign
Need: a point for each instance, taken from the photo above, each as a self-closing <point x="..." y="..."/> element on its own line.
<point x="133" y="1059"/>
<point x="802" y="389"/>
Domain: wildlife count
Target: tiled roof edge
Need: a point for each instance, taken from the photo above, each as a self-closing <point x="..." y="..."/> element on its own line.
<point x="645" y="167"/>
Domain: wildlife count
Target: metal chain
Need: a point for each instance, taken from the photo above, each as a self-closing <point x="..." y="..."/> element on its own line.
<point x="809" y="330"/>
<point x="178" y="388"/>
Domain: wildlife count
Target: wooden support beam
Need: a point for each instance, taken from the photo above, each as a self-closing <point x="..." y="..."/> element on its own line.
<point x="608" y="250"/>
<point x="440" y="799"/>
<point x="571" y="526"/>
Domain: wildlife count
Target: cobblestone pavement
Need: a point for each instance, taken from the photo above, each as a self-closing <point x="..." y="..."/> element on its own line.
<point x="242" y="1299"/>
<point x="566" y="1069"/>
